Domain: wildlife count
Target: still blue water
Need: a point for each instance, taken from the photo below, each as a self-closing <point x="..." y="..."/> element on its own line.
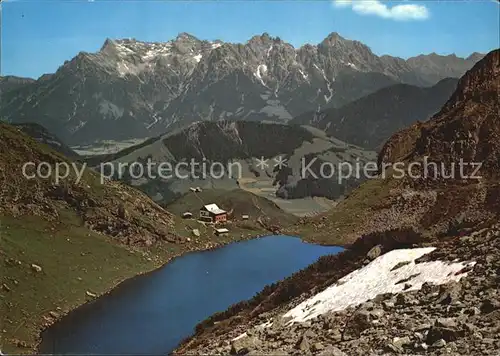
<point x="152" y="313"/>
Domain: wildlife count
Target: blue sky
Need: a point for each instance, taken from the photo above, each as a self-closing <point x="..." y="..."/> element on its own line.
<point x="38" y="36"/>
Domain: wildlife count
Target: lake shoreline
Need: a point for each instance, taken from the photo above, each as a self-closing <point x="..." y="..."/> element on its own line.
<point x="199" y="248"/>
<point x="194" y="249"/>
<point x="322" y="273"/>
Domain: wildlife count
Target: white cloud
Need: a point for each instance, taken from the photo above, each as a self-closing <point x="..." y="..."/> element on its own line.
<point x="342" y="3"/>
<point x="401" y="12"/>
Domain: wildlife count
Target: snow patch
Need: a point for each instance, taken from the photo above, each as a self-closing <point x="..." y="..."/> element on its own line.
<point x="269" y="50"/>
<point x="240" y="337"/>
<point x="377" y="278"/>
<point x="303" y="74"/>
<point x="124" y="68"/>
<point x="328" y="84"/>
<point x="155" y="121"/>
<point x="108" y="108"/>
<point x="197" y="58"/>
<point x="261" y="71"/>
<point x="352" y="65"/>
<point x="77" y="127"/>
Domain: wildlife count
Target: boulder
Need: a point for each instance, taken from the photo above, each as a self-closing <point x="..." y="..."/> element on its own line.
<point x="36" y="268"/>
<point x="374" y="252"/>
<point x="437" y="332"/>
<point x="123" y="213"/>
<point x="54" y="315"/>
<point x="359" y="322"/>
<point x="332" y="351"/>
<point x="244" y="345"/>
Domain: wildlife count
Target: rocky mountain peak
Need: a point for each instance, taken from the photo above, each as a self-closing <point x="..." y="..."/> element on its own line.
<point x="186" y="37"/>
<point x="261" y="41"/>
<point x="108" y="46"/>
<point x="265" y="36"/>
<point x="475" y="57"/>
<point x="336" y="39"/>
<point x="479" y="84"/>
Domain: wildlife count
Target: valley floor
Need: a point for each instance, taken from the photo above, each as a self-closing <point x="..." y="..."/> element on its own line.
<point x="302" y="207"/>
<point x="106" y="147"/>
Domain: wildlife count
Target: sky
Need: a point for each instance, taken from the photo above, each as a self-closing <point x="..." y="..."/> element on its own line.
<point x="39" y="35"/>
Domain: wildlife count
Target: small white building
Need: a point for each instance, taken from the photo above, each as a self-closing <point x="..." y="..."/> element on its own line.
<point x="212" y="213"/>
<point x="221" y="231"/>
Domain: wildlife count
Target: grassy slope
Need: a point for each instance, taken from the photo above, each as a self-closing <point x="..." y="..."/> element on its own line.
<point x="73" y="260"/>
<point x="336" y="226"/>
<point x="243" y="202"/>
<point x="238" y="201"/>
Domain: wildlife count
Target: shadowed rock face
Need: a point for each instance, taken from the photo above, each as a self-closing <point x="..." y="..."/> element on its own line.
<point x="369" y="121"/>
<point x="467" y="127"/>
<point x="133" y="89"/>
<point x="437" y="194"/>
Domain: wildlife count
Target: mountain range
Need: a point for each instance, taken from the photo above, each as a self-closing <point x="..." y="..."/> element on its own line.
<point x="134" y="89"/>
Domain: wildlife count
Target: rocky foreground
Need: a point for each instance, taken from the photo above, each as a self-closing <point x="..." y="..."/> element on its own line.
<point x="461" y="317"/>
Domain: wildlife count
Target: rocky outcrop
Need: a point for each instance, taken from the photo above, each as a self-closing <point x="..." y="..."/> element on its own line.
<point x="111" y="208"/>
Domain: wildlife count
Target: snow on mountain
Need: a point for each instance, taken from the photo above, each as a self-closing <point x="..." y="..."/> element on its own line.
<point x="379" y="277"/>
<point x="393" y="272"/>
<point x="147" y="88"/>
